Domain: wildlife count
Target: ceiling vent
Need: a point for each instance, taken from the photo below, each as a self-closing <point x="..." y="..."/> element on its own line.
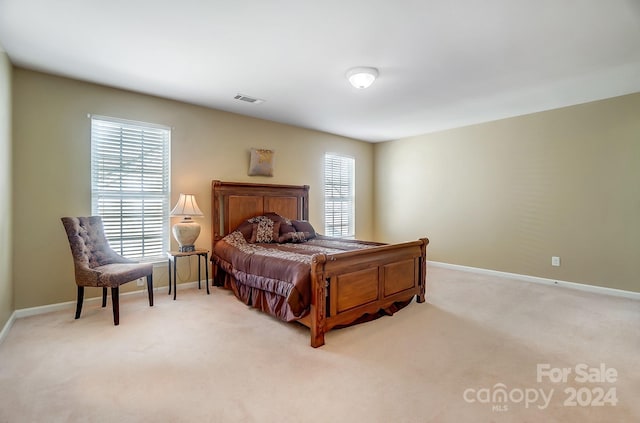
<point x="248" y="99"/>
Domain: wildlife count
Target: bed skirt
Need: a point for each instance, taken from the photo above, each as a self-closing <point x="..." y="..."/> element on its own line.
<point x="276" y="306"/>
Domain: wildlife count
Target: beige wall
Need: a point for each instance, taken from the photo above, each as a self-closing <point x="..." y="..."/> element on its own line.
<point x="504" y="195"/>
<point x="508" y="195"/>
<point x="6" y="283"/>
<point x="52" y="165"/>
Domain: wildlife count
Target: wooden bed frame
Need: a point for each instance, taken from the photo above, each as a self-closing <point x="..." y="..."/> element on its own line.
<point x="345" y="286"/>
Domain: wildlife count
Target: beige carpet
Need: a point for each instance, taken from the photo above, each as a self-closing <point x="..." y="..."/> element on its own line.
<point x="211" y="359"/>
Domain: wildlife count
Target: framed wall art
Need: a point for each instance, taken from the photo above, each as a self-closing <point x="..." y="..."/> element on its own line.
<point x="261" y="162"/>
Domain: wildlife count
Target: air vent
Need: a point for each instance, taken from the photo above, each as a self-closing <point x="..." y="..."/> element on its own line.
<point x="248" y="99"/>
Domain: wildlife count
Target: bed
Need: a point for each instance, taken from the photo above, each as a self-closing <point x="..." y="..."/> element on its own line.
<point x="321" y="282"/>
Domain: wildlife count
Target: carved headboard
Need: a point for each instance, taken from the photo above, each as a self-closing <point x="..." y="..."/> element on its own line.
<point x="233" y="202"/>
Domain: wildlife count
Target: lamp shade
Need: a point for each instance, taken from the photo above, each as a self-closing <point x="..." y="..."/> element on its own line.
<point x="186" y="231"/>
<point x="187" y="206"/>
<point x="362" y="77"/>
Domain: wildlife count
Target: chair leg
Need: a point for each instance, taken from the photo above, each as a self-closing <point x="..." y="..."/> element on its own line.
<point x="150" y="289"/>
<point x="116" y="305"/>
<point x="104" y="296"/>
<point x="80" y="298"/>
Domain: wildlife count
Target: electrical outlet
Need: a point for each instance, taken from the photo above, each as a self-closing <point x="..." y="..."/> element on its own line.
<point x="555" y="261"/>
<point x="140" y="282"/>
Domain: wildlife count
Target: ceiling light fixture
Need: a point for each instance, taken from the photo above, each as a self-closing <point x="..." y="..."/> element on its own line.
<point x="362" y="77"/>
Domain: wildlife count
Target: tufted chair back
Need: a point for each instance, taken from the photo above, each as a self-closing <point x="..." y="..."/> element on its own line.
<point x="89" y="247"/>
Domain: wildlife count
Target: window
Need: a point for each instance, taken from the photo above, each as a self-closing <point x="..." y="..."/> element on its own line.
<point x="339" y="195"/>
<point x="130" y="185"/>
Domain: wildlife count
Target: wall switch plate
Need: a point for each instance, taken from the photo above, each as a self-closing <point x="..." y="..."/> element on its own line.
<point x="555" y="261"/>
<point x="140" y="282"/>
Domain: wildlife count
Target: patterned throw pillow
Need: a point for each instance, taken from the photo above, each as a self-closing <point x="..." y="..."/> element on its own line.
<point x="295" y="237"/>
<point x="264" y="230"/>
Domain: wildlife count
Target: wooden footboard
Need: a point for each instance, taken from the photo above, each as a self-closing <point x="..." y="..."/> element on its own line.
<point x="346" y="286"/>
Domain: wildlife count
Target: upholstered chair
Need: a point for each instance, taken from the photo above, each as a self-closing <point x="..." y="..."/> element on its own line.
<point x="97" y="265"/>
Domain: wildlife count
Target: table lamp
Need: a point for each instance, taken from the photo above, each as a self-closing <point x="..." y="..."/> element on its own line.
<point x="187" y="230"/>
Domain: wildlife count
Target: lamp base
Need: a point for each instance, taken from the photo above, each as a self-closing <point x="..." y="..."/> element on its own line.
<point x="186" y="232"/>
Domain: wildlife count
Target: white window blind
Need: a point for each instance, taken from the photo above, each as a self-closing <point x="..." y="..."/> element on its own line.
<point x="339" y="195"/>
<point x="130" y="185"/>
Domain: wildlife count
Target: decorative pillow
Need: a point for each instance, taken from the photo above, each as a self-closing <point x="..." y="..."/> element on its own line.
<point x="246" y="228"/>
<point x="286" y="225"/>
<point x="264" y="230"/>
<point x="304" y="226"/>
<point x="294" y="237"/>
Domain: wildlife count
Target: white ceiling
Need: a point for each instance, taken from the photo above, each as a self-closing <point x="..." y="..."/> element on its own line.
<point x="442" y="63"/>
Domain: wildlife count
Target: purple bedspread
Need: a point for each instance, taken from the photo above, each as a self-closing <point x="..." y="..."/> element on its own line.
<point x="275" y="277"/>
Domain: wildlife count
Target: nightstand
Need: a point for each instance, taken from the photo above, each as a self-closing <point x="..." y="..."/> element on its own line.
<point x="173" y="260"/>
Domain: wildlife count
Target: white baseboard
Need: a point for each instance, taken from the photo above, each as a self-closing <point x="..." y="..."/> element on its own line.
<point x="32" y="311"/>
<point x="535" y="279"/>
<point x="7" y="326"/>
